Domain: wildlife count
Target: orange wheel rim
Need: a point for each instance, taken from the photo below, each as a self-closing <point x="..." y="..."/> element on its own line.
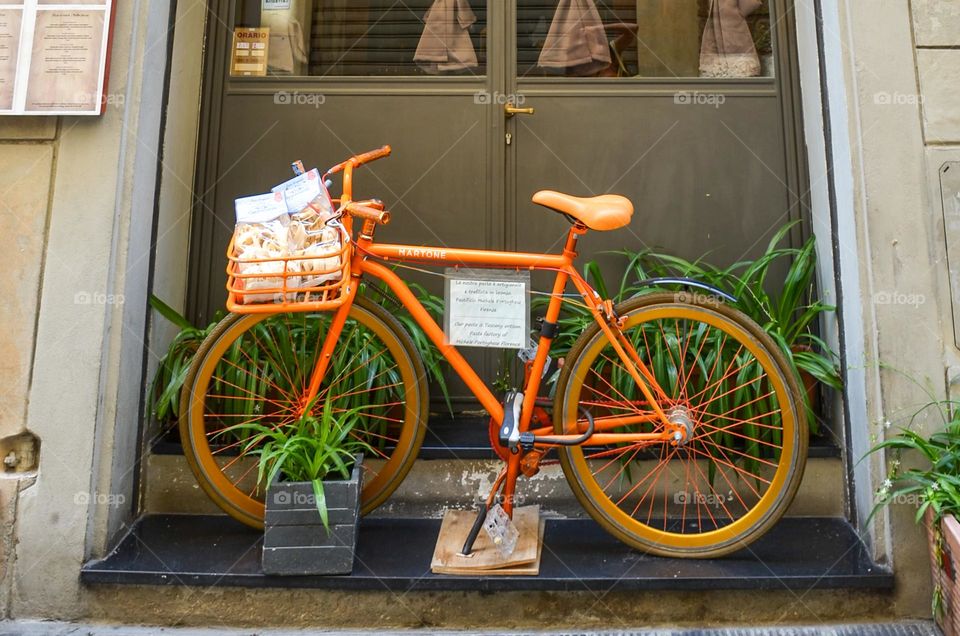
<point x="730" y="473"/>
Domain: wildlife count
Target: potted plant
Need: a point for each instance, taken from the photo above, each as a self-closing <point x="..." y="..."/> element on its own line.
<point x="312" y="471"/>
<point x="935" y="489"/>
<point x="789" y="313"/>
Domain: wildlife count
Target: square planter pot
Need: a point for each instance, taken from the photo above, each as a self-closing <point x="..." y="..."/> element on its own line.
<point x="943" y="567"/>
<point x="295" y="542"/>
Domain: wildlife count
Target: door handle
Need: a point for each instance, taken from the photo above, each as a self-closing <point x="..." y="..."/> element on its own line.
<point x="510" y="110"/>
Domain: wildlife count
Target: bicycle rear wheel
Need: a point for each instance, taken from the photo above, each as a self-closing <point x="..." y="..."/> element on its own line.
<point x="729" y="385"/>
<point x="256" y="368"/>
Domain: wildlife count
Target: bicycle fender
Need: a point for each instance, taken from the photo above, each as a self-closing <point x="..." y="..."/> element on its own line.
<point x="690" y="283"/>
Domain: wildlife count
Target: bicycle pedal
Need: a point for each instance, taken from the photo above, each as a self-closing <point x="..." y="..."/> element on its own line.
<point x="501" y="530"/>
<point x="510" y="427"/>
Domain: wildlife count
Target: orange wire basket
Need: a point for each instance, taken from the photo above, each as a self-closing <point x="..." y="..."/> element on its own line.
<point x="297" y="282"/>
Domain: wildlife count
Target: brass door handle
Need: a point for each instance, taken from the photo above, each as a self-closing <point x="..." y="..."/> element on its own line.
<point x="510" y="110"/>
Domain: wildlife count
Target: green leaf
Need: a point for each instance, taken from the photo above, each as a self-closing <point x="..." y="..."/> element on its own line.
<point x="321" y="501"/>
<point x="170" y="313"/>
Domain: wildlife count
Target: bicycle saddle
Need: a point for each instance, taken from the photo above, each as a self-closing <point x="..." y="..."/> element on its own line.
<point x="605" y="212"/>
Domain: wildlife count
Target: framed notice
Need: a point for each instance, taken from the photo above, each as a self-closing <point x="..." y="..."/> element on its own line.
<point x="487" y="308"/>
<point x="249" y="52"/>
<point x="54" y="56"/>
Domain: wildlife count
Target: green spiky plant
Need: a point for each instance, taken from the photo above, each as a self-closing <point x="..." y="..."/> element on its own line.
<point x="433" y="360"/>
<point x="311" y="449"/>
<point x="164" y="395"/>
<point x="789" y="315"/>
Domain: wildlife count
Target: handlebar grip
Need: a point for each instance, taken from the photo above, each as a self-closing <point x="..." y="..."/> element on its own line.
<point x="373" y="155"/>
<point x="359" y="160"/>
<point x="366" y="212"/>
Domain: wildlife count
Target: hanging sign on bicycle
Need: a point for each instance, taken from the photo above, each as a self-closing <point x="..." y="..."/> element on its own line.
<point x="487" y="308"/>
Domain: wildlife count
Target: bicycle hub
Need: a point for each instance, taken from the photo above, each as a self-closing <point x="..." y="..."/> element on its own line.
<point x="679" y="417"/>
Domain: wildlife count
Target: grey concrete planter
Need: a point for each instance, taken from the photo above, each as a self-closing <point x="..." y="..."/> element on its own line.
<point x="295" y="541"/>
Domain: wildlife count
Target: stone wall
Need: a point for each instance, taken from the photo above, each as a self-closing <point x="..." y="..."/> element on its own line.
<point x="900" y="123"/>
<point x="27" y="158"/>
<point x="77" y="199"/>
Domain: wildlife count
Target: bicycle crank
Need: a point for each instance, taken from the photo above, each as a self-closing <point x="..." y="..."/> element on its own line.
<point x="540" y="419"/>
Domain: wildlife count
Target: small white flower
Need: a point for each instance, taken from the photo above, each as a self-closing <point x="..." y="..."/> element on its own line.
<point x="895" y="464"/>
<point x="887" y="484"/>
<point x="886" y="424"/>
<point x="935" y="486"/>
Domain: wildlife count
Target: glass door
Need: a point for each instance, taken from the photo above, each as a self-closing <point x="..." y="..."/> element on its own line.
<point x="677" y="104"/>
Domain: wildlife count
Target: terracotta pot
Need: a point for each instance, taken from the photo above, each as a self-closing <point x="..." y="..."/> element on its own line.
<point x="943" y="568"/>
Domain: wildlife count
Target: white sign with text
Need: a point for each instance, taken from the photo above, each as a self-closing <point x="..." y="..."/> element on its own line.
<point x="487" y="308"/>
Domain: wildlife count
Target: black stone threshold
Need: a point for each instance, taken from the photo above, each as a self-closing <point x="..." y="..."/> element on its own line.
<point x="204" y="550"/>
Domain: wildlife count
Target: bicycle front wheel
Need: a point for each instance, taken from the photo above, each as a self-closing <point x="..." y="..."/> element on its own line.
<point x="728" y="384"/>
<point x="256" y="368"/>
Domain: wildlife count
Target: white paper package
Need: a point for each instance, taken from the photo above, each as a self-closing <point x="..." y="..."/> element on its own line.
<point x="262" y="232"/>
<point x="294" y="219"/>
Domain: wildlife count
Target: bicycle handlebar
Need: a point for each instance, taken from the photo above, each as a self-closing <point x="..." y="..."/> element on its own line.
<point x="369" y="213"/>
<point x="359" y="160"/>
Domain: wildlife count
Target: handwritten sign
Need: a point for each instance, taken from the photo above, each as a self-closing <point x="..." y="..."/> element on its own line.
<point x="487" y="309"/>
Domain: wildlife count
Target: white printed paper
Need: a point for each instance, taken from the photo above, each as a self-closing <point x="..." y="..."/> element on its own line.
<point x="54" y="57"/>
<point x="487" y="309"/>
<point x="260" y="208"/>
<point x="302" y="190"/>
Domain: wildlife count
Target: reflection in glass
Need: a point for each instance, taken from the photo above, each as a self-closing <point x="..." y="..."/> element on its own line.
<point x="644" y="38"/>
<point x="289" y="24"/>
<point x="728" y="49"/>
<point x="576" y="38"/>
<point x="445" y="43"/>
<point x="371" y="37"/>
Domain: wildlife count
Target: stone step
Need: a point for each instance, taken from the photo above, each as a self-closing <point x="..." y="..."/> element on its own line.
<point x="433" y="485"/>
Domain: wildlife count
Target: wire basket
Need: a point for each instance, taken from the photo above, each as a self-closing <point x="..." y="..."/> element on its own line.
<point x="298" y="282"/>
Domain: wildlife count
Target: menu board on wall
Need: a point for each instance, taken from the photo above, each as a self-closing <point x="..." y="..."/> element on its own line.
<point x="54" y="56"/>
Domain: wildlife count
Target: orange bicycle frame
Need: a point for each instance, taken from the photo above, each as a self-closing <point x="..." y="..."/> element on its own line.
<point x="365" y="249"/>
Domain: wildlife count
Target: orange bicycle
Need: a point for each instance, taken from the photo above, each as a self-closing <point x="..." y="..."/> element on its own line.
<point x="677" y="420"/>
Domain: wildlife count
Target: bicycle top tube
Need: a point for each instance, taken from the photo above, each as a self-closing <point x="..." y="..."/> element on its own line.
<point x="458" y="257"/>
